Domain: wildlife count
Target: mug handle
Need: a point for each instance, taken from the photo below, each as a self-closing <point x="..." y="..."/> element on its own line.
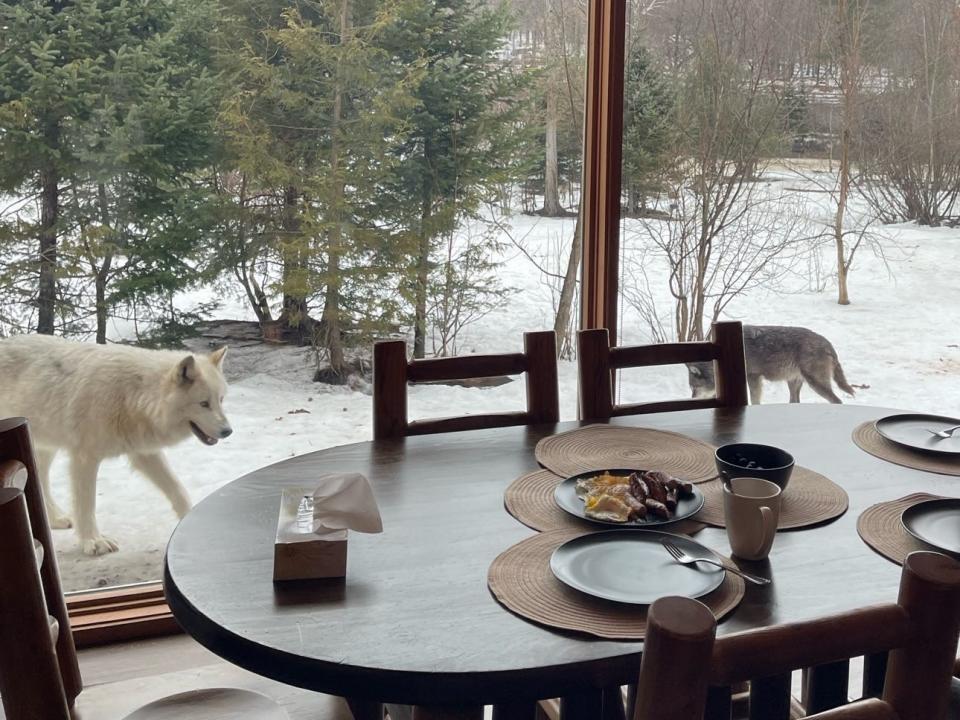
<point x="769" y="530"/>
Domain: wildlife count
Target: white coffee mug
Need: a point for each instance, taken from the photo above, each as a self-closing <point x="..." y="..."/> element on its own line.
<point x="751" y="509"/>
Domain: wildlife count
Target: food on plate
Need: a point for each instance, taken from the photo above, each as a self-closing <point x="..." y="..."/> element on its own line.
<point x="624" y="498"/>
<point x="607" y="507"/>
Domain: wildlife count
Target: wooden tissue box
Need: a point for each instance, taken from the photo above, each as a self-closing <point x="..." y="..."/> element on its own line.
<point x="301" y="555"/>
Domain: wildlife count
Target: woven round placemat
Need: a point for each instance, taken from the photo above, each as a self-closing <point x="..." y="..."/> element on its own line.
<point x="530" y="500"/>
<point x="521" y="580"/>
<point x="880" y="527"/>
<point x="810" y="499"/>
<point x="867" y="438"/>
<point x="601" y="447"/>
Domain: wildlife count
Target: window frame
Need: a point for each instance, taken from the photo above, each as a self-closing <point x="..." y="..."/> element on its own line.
<point x="118" y="614"/>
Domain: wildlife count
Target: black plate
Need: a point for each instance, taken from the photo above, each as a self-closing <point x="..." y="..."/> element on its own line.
<point x="566" y="497"/>
<point x="910" y="430"/>
<point x="935" y="522"/>
<point x="633" y="567"/>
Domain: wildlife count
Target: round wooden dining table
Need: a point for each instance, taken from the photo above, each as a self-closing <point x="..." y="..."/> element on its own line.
<point x="413" y="622"/>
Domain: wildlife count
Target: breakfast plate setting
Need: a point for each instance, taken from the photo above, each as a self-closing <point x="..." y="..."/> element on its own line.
<point x="599" y="583"/>
<point x="935" y="522"/>
<point x="633" y="567"/>
<point x="926" y="433"/>
<point x="628" y="498"/>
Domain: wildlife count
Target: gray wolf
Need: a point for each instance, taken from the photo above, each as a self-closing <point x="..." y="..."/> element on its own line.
<point x="101" y="401"/>
<point x="780" y="353"/>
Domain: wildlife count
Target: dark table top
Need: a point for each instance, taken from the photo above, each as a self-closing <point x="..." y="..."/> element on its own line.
<point x="414" y="622"/>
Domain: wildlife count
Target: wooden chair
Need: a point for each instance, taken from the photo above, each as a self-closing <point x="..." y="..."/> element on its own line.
<point x="39" y="673"/>
<point x="392" y="372"/>
<point x="686" y="672"/>
<point x="598" y="361"/>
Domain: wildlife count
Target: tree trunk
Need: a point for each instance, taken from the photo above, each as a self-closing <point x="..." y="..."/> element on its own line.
<point x="255" y="295"/>
<point x="551" y="187"/>
<point x="244" y="273"/>
<point x="331" y="307"/>
<point x="423" y="277"/>
<point x="294" y="266"/>
<point x="843" y="297"/>
<point x="100" y="282"/>
<point x="102" y="274"/>
<point x="258" y="298"/>
<point x="562" y="325"/>
<point x="551" y="191"/>
<point x="849" y="38"/>
<point x="49" y="216"/>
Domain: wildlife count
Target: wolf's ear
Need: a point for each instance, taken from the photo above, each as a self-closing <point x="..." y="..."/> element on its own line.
<point x="694" y="370"/>
<point x="187" y="370"/>
<point x="216" y="357"/>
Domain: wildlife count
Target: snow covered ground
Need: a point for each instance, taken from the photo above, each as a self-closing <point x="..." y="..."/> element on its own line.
<point x="899" y="339"/>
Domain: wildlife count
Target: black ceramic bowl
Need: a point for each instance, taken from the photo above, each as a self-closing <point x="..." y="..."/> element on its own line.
<point x="753" y="460"/>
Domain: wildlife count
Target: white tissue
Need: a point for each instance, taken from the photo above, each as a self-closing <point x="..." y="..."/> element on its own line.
<point x="345" y="501"/>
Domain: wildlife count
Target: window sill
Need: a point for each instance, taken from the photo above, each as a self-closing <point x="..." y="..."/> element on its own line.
<point x="131" y="612"/>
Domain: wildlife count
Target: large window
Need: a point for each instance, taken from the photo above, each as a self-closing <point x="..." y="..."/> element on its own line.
<point x="296" y="179"/>
<point x="794" y="164"/>
<point x="293" y="179"/>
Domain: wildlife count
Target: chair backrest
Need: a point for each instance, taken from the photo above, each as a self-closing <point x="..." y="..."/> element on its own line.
<point x="392" y="372"/>
<point x="684" y="663"/>
<point x="39" y="674"/>
<point x="598" y="361"/>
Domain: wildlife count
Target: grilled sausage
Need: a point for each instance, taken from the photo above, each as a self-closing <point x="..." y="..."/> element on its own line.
<point x="657" y="509"/>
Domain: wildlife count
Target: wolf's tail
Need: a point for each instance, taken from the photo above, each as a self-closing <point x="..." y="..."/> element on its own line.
<point x="840" y="379"/>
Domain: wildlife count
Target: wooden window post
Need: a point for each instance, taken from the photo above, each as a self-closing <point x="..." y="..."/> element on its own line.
<point x="602" y="156"/>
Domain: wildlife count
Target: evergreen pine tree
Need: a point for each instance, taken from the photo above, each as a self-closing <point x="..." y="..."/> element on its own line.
<point x="647" y="104"/>
<point x="106" y="107"/>
<point x="318" y="104"/>
<point x="464" y="137"/>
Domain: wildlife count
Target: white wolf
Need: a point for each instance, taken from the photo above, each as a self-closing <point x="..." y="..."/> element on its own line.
<point x="101" y="401"/>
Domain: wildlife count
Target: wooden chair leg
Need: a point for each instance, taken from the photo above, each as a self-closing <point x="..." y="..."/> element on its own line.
<point x="719" y="704"/>
<point x="770" y="698"/>
<point x="612" y="699"/>
<point x="548" y="710"/>
<point x="631" y="703"/>
<point x="448" y="712"/>
<point x="826" y="686"/>
<point x="874" y="672"/>
<point x="582" y="706"/>
<point x="365" y="709"/>
<point x="523" y="710"/>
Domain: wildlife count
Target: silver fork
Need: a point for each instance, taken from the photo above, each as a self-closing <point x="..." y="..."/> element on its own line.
<point x="684" y="559"/>
<point x="945" y="434"/>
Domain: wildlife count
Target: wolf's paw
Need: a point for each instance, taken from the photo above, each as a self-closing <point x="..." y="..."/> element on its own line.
<point x="98" y="545"/>
<point x="61" y="522"/>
